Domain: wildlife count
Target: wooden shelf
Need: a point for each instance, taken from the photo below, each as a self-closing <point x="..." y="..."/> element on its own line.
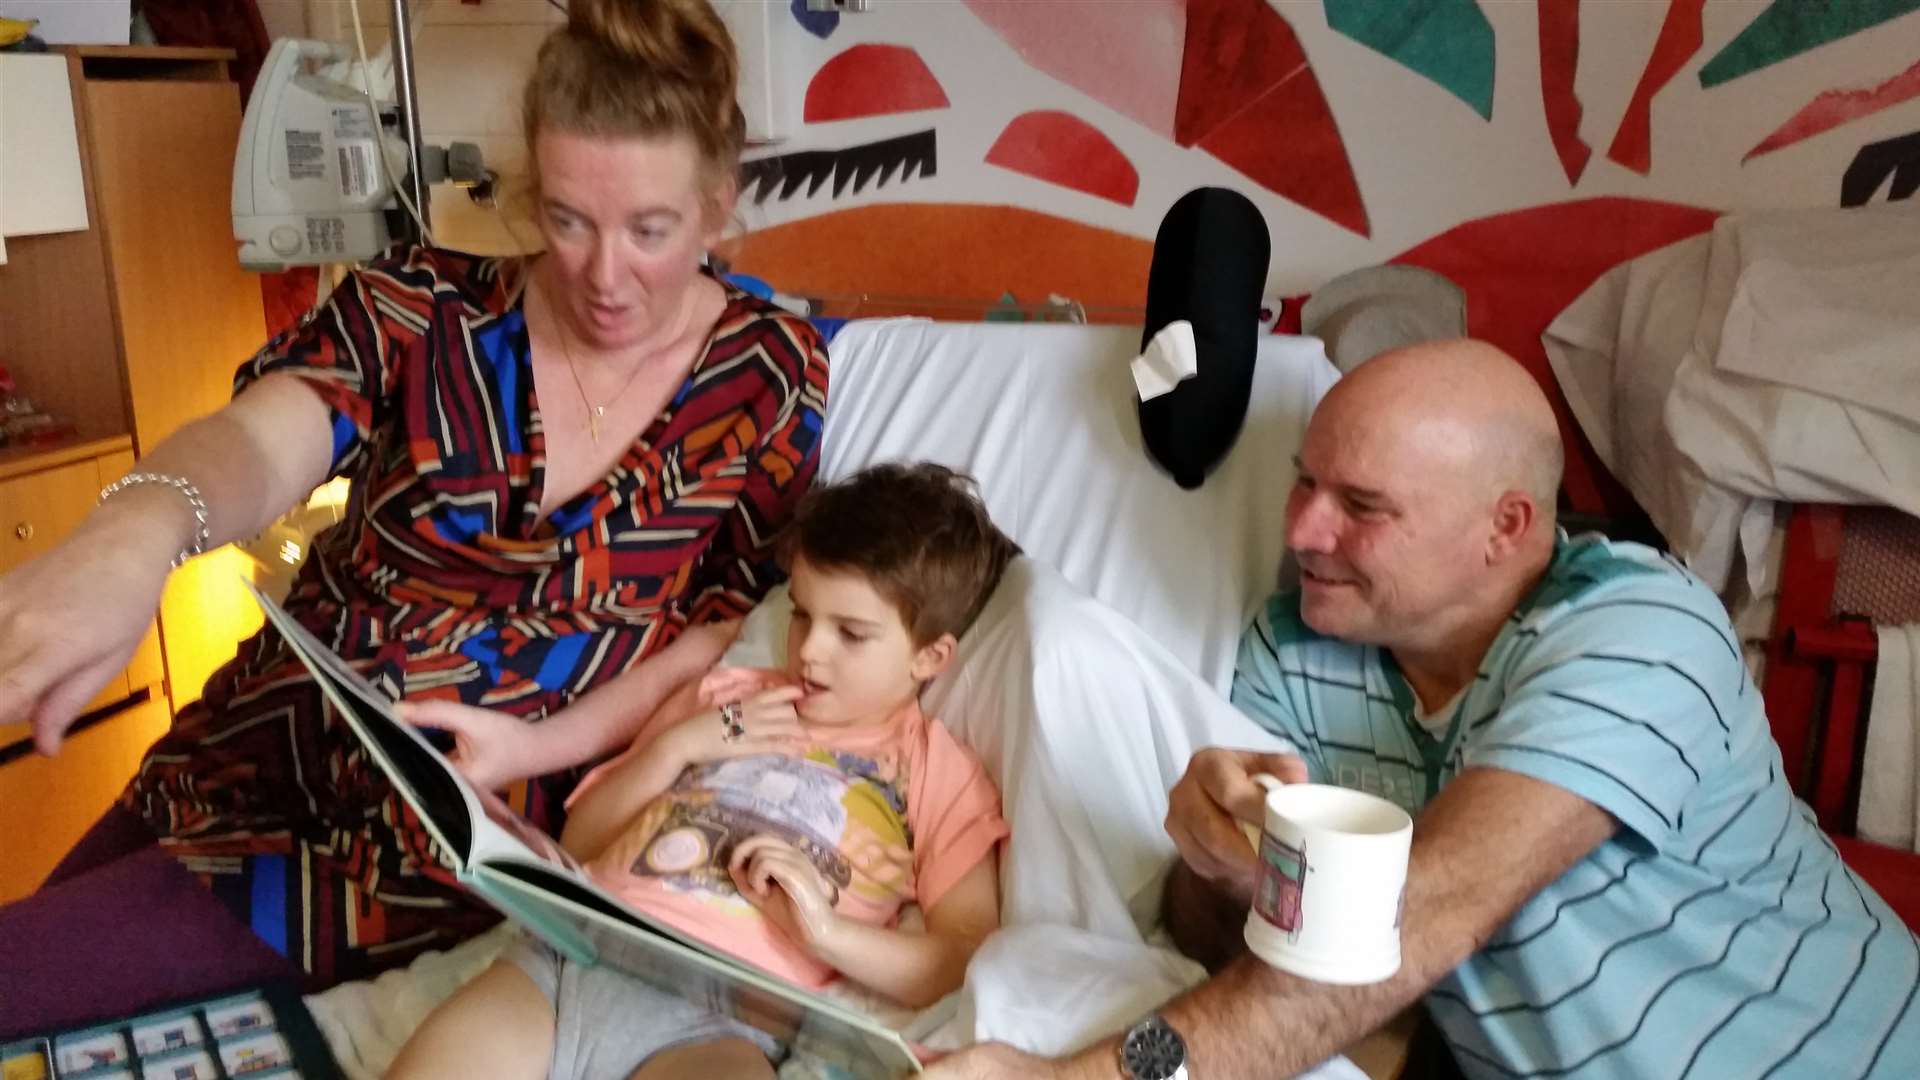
<point x="152" y="62"/>
<point x="152" y="52"/>
<point x="19" y="460"/>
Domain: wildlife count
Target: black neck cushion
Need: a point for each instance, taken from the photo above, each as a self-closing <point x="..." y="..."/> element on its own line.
<point x="1209" y="268"/>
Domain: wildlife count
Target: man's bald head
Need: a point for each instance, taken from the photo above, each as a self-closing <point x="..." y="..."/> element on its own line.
<point x="1424" y="507"/>
<point x="1464" y="403"/>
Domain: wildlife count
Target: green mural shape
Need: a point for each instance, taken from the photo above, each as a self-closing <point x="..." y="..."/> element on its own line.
<point x="1788" y="28"/>
<point x="1448" y="41"/>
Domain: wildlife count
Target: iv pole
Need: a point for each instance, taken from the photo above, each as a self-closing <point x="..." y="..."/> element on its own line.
<point x="408" y="104"/>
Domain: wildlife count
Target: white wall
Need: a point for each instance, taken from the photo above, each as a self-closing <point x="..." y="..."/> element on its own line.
<point x="1424" y="162"/>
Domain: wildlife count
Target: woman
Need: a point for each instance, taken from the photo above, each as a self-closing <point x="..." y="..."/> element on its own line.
<point x="567" y="475"/>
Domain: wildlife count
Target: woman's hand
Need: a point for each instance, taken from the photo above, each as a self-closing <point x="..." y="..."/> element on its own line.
<point x="491" y="749"/>
<point x="1207" y="812"/>
<point x="72" y="618"/>
<point x="767" y="721"/>
<point x="786" y="887"/>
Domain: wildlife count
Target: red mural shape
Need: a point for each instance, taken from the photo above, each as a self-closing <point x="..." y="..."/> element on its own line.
<point x="1249" y="98"/>
<point x="1125" y="56"/>
<point x="1835" y="107"/>
<point x="872" y="80"/>
<point x="1063" y="149"/>
<point x="1680" y="38"/>
<point x="1559" y="59"/>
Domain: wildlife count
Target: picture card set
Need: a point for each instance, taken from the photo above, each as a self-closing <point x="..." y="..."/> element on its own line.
<point x="253" y="1034"/>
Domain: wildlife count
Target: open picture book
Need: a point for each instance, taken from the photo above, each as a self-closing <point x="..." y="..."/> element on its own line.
<point x="526" y="875"/>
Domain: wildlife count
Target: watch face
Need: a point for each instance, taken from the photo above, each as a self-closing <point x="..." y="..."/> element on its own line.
<point x="1153" y="1051"/>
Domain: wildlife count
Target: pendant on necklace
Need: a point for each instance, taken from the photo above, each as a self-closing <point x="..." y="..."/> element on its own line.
<point x="593" y="421"/>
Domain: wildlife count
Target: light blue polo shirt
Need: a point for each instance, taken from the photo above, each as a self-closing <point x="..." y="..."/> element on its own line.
<point x="1717" y="935"/>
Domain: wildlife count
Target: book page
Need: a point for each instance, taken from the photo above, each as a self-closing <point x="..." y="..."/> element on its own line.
<point x="448" y="806"/>
<point x="530" y="878"/>
<point x="855" y="1043"/>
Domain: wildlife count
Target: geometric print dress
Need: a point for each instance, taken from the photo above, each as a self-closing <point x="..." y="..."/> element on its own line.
<point x="442" y="581"/>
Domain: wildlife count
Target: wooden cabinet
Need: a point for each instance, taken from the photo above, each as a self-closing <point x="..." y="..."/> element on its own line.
<point x="129" y="329"/>
<point x="47" y="804"/>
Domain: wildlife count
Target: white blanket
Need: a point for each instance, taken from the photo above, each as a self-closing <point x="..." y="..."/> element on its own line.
<point x="1890" y="768"/>
<point x="1772" y="360"/>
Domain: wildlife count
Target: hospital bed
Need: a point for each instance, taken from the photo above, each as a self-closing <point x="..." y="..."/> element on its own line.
<point x="1101" y="664"/>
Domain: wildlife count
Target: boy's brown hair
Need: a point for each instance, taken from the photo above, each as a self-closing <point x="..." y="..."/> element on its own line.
<point x="920" y="536"/>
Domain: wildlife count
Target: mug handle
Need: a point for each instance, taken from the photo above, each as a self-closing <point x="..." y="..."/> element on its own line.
<point x="1271" y="783"/>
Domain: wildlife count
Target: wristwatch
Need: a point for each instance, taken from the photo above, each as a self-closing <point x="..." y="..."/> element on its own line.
<point x="1152" y="1050"/>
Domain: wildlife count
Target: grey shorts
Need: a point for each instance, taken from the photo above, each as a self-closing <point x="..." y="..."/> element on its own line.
<point x="607" y="1024"/>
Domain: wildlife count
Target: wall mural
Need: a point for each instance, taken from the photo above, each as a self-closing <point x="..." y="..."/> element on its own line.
<point x="1362" y="129"/>
<point x="1559" y="59"/>
<point x="782" y="175"/>
<point x="1680" y="37"/>
<point x="1835" y="107"/>
<point x="1448" y="41"/>
<point x="1063" y="149"/>
<point x="872" y="80"/>
<point x="1893" y="164"/>
<point x="1788" y="28"/>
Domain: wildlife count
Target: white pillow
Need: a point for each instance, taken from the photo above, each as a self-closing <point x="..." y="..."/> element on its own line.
<point x="1045" y="416"/>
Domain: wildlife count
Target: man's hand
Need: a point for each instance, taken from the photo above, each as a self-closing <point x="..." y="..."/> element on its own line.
<point x="996" y="1061"/>
<point x="1208" y="809"/>
<point x="787" y="888"/>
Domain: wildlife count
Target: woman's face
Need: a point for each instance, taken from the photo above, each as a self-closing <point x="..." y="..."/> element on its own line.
<point x="626" y="221"/>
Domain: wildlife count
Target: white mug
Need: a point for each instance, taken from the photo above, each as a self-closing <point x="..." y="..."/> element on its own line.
<point x="1332" y="876"/>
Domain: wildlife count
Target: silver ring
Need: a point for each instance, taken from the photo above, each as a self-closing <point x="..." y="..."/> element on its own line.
<point x="730" y="726"/>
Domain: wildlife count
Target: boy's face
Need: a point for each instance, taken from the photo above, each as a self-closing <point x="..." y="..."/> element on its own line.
<point x="851" y="650"/>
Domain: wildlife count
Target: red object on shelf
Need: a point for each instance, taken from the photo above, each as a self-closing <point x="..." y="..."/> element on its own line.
<point x="1844" y="570"/>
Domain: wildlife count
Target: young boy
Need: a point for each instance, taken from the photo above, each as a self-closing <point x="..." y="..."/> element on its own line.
<point x="788" y="820"/>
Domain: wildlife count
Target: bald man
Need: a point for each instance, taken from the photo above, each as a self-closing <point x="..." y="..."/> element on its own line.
<point x="1609" y="876"/>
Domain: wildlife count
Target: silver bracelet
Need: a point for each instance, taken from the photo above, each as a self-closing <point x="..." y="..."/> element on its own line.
<point x="185" y="487"/>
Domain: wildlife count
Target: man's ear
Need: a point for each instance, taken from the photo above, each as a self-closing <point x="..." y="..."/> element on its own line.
<point x="1514" y="518"/>
<point x="933" y="657"/>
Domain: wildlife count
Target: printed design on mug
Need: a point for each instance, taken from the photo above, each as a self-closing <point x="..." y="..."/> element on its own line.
<point x="1283" y="881"/>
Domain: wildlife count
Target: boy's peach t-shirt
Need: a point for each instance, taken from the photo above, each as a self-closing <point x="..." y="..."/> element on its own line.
<point x="890" y="814"/>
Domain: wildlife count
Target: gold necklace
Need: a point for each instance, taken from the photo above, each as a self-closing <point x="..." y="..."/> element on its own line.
<point x="594" y="412"/>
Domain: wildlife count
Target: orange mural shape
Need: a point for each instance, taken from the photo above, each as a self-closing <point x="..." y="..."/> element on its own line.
<point x="1249" y="98"/>
<point x="872" y="80"/>
<point x="952" y="253"/>
<point x="1063" y="149"/>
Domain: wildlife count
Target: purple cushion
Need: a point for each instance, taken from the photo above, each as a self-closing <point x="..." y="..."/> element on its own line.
<point x="120" y="937"/>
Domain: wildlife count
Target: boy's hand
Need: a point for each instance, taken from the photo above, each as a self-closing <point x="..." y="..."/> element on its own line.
<point x="491" y="749"/>
<point x="767" y="724"/>
<point x="786" y="887"/>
